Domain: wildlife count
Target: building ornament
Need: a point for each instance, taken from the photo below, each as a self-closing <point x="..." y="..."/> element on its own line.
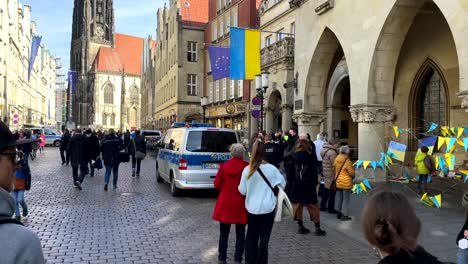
<point x="371" y="113"/>
<point x="295" y="3"/>
<point x="309" y="119"/>
<point x="285" y="107"/>
<point x="464" y="99"/>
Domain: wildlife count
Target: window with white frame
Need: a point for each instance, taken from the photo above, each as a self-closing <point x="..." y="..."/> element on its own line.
<point x="215" y="30"/>
<point x="280" y="35"/>
<point x="192" y="84"/>
<point x="232" y="90"/>
<point x="293" y="28"/>
<point x="240" y="88"/>
<point x="224" y="89"/>
<point x="234" y="22"/>
<point x="228" y="22"/>
<point x="192" y="51"/>
<point x="210" y="92"/>
<point x="221" y="28"/>
<point x="219" y="5"/>
<point x="268" y="40"/>
<point x="217" y="91"/>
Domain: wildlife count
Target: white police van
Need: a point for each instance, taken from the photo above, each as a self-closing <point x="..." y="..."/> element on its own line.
<point x="53" y="137"/>
<point x="191" y="154"/>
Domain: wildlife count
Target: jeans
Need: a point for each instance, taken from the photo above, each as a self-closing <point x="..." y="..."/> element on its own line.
<point x="115" y="170"/>
<point x="19" y="200"/>
<point x="224" y="230"/>
<point x="64" y="155"/>
<point x="342" y="201"/>
<point x="83" y="172"/>
<point x="91" y="168"/>
<point x="258" y="236"/>
<point x="328" y="198"/>
<point x="138" y="164"/>
<point x="462" y="256"/>
<point x="26" y="158"/>
<point x="422" y="179"/>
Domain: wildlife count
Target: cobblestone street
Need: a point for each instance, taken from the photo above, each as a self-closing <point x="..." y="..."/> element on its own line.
<point x="141" y="222"/>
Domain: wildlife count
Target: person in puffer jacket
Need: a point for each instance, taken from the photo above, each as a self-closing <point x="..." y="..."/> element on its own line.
<point x="422" y="160"/>
<point x="344" y="172"/>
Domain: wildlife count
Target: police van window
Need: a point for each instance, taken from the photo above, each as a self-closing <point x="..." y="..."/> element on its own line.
<point x="167" y="139"/>
<point x="210" y="141"/>
<point x="176" y="139"/>
<point x="49" y="132"/>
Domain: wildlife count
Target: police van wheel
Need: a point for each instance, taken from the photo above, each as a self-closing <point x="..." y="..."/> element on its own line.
<point x="159" y="179"/>
<point x="57" y="143"/>
<point x="174" y="190"/>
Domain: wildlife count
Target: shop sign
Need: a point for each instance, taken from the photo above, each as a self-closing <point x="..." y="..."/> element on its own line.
<point x="241" y="108"/>
<point x="230" y="109"/>
<point x="323" y="6"/>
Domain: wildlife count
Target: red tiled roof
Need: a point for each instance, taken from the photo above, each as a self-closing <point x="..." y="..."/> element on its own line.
<point x="126" y="55"/>
<point x="196" y="14"/>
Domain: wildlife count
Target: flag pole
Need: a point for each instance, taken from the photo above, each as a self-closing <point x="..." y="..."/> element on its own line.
<point x="263" y="31"/>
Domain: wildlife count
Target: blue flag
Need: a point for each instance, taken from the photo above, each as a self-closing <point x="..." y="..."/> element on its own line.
<point x="36" y="42"/>
<point x="72" y="82"/>
<point x="220" y="60"/>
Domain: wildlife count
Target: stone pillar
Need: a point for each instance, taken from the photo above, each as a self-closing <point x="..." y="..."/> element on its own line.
<point x="269" y="119"/>
<point x="371" y="136"/>
<point x="309" y="122"/>
<point x="286" y="115"/>
<point x="464" y="100"/>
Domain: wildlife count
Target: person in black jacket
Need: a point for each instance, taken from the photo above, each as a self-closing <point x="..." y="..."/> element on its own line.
<point x="94" y="149"/>
<point x="288" y="161"/>
<point x="79" y="157"/>
<point x="126" y="139"/>
<point x="136" y="144"/>
<point x="390" y="224"/>
<point x="462" y="255"/>
<point x="64" y="146"/>
<point x="273" y="153"/>
<point x="27" y="148"/>
<point x="110" y="148"/>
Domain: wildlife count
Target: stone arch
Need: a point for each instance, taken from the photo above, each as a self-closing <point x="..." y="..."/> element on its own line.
<point x="273" y="111"/>
<point x="133" y="118"/>
<point x="193" y="117"/>
<point x="388" y="47"/>
<point x="327" y="54"/>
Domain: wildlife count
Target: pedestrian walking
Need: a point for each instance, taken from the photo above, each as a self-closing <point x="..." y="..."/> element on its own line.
<point x="344" y="172"/>
<point x="35" y="146"/>
<point x="65" y="139"/>
<point x="230" y="205"/>
<point x="137" y="149"/>
<point x="329" y="154"/>
<point x="260" y="203"/>
<point x="27" y="147"/>
<point x="273" y="154"/>
<point x="425" y="164"/>
<point x="94" y="149"/>
<point x="22" y="183"/>
<point x="318" y="148"/>
<point x="18" y="244"/>
<point x="126" y="139"/>
<point x="110" y="148"/>
<point x="390" y="225"/>
<point x="304" y="186"/>
<point x="42" y="143"/>
<point x="288" y="161"/>
<point x="79" y="157"/>
<point x="462" y="238"/>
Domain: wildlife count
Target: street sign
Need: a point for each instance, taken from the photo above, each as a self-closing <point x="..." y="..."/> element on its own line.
<point x="256" y="114"/>
<point x="256" y="100"/>
<point x="15" y="119"/>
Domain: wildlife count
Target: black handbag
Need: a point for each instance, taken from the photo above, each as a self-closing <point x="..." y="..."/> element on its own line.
<point x="124" y="156"/>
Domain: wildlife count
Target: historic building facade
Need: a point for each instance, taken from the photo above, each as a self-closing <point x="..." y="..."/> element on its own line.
<point x="108" y="67"/>
<point x="397" y="63"/>
<point x="179" y="64"/>
<point x="278" y="24"/>
<point x="29" y="102"/>
<point x="228" y="100"/>
<point x="148" y="84"/>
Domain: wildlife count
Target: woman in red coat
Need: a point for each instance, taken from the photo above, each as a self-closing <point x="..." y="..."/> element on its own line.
<point x="230" y="206"/>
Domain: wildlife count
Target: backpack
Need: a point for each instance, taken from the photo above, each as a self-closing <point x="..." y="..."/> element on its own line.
<point x="430" y="163"/>
<point x="10" y="221"/>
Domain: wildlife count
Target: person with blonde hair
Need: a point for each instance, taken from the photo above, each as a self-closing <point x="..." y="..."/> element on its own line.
<point x="258" y="183"/>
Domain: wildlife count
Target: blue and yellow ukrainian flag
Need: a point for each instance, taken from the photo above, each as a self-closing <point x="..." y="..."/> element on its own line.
<point x="245" y="54"/>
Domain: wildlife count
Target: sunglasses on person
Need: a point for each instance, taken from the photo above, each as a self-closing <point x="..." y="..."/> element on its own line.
<point x="15" y="157"/>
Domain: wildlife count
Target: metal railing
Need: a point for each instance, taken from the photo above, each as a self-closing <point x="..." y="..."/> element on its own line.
<point x="282" y="50"/>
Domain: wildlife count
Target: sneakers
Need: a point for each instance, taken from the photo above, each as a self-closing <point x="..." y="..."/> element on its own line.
<point x="105" y="187"/>
<point x="25" y="211"/>
<point x="138" y="175"/>
<point x="345" y="218"/>
<point x="78" y="185"/>
<point x="319" y="232"/>
<point x="339" y="215"/>
<point x="302" y="230"/>
<point x="115" y="186"/>
<point x="18" y="218"/>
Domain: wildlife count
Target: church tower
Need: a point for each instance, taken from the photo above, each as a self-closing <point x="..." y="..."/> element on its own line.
<point x="93" y="27"/>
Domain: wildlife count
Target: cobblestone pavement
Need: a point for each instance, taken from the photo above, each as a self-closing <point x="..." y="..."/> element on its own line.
<point x="141" y="223"/>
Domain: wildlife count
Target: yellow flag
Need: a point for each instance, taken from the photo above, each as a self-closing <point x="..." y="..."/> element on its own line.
<point x="363" y="187"/>
<point x="447" y="141"/>
<point x="436" y="162"/>
<point x="453" y="130"/>
<point x="366" y="163"/>
<point x="460" y="142"/>
<point x="389" y="159"/>
<point x="444" y="131"/>
<point x="448" y="159"/>
<point x="440" y="142"/>
<point x="460" y="131"/>
<point x="252" y="54"/>
<point x="397" y="132"/>
<point x="439" y="199"/>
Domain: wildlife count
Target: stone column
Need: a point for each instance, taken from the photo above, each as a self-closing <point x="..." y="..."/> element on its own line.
<point x="371" y="135"/>
<point x="269" y="119"/>
<point x="309" y="122"/>
<point x="286" y="115"/>
<point x="464" y="100"/>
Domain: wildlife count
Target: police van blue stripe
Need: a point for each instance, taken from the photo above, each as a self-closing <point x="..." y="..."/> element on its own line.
<point x="193" y="159"/>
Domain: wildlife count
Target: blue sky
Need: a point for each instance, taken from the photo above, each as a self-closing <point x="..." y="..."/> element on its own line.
<point x="54" y="21"/>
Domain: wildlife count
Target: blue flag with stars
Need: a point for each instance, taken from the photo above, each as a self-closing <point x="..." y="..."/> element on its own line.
<point x="220" y="60"/>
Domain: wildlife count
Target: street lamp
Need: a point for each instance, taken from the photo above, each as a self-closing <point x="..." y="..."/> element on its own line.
<point x="204" y="103"/>
<point x="261" y="85"/>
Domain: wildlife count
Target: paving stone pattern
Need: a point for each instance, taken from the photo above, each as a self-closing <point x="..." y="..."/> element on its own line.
<point x="141" y="222"/>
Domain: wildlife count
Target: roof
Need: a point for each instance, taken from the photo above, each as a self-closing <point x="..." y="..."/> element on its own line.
<point x="194" y="12"/>
<point x="126" y="55"/>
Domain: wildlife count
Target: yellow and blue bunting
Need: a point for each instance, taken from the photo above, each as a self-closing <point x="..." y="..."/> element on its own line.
<point x="432" y="201"/>
<point x="362" y="187"/>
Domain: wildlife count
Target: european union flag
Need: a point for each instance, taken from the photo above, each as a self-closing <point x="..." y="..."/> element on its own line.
<point x="220" y="60"/>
